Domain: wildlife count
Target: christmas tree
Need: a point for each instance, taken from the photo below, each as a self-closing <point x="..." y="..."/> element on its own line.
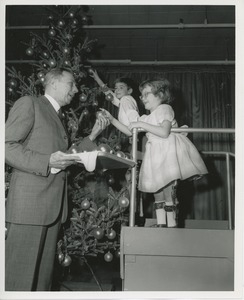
<point x="97" y="214"/>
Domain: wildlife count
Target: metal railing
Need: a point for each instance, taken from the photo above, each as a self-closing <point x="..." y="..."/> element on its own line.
<point x="178" y="130"/>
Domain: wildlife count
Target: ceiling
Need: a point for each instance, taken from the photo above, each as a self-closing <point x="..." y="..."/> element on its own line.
<point x="137" y="33"/>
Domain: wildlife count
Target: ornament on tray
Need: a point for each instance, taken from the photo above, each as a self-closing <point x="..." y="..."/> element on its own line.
<point x="104" y="148"/>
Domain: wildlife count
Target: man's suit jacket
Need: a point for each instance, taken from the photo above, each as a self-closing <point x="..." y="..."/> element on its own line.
<point x="33" y="131"/>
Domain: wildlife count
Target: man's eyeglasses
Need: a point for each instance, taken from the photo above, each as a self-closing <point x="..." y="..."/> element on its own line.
<point x="145" y="95"/>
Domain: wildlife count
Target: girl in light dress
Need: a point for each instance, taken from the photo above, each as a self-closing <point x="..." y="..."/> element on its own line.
<point x="169" y="156"/>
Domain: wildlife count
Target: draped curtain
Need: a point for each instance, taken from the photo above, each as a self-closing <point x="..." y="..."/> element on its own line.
<point x="204" y="98"/>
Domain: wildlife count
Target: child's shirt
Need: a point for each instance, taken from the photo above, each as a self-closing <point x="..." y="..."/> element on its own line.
<point x="128" y="110"/>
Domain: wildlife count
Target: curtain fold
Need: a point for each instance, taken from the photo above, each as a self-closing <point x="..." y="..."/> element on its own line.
<point x="204" y="98"/>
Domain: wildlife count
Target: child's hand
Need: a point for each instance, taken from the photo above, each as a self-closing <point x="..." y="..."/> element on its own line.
<point x="93" y="73"/>
<point x="134" y="125"/>
<point x="107" y="114"/>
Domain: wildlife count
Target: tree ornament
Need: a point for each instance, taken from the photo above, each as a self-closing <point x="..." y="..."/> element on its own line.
<point x="85" y="112"/>
<point x="10" y="90"/>
<point x="71" y="14"/>
<point x="117" y="253"/>
<point x="13" y="83"/>
<point x="90" y="71"/>
<point x="42" y="79"/>
<point x="60" y="257"/>
<point x="74" y="23"/>
<point x="50" y="17"/>
<point x="51" y="32"/>
<point x="67" y="261"/>
<point x="52" y="63"/>
<point x="66" y="50"/>
<point x="68" y="36"/>
<point x="100" y="114"/>
<point x="29" y="51"/>
<point x="109" y="97"/>
<point x="98" y="233"/>
<point x="61" y="23"/>
<point x="73" y="148"/>
<point x="67" y="63"/>
<point x="120" y="154"/>
<point x="85" y="204"/>
<point x="108" y="257"/>
<point x="128" y="155"/>
<point x="111" y="234"/>
<point x="45" y="54"/>
<point x="83" y="97"/>
<point x="124" y="202"/>
<point x="41" y="74"/>
<point x="117" y="147"/>
<point x="88" y="49"/>
<point x="111" y="180"/>
<point x="84" y="19"/>
<point x="104" y="148"/>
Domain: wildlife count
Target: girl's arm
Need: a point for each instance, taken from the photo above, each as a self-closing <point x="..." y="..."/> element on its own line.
<point x="116" y="123"/>
<point x="162" y="130"/>
<point x="106" y="90"/>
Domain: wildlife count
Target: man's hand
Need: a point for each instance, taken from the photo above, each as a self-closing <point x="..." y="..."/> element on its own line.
<point x="60" y="160"/>
<point x="100" y="124"/>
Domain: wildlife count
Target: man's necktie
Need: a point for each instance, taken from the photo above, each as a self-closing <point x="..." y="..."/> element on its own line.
<point x="62" y="118"/>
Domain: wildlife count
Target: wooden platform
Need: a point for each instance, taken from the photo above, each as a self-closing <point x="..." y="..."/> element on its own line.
<point x="177" y="259"/>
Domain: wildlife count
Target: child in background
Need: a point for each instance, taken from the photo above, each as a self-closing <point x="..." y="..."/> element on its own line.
<point x="169" y="157"/>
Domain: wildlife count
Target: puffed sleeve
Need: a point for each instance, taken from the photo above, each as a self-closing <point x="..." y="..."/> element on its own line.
<point x="164" y="112"/>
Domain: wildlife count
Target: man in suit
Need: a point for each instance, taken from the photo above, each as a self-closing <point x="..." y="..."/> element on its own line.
<point x="36" y="142"/>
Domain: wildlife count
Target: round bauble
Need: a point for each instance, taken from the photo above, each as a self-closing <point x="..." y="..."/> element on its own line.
<point x="50" y="17"/>
<point x="52" y="63"/>
<point x="40" y="74"/>
<point x="98" y="233"/>
<point x="104" y="148"/>
<point x="108" y="257"/>
<point x="45" y="54"/>
<point x="83" y="98"/>
<point x="111" y="180"/>
<point x="85" y="204"/>
<point x="67" y="261"/>
<point x="13" y="83"/>
<point x="74" y="22"/>
<point x="61" y="23"/>
<point x="124" y="202"/>
<point x="111" y="234"/>
<point x="51" y="32"/>
<point x="60" y="257"/>
<point x="120" y="154"/>
<point x="84" y="19"/>
<point x="66" y="50"/>
<point x="71" y="14"/>
<point x="85" y="112"/>
<point x="109" y="97"/>
<point x="29" y="51"/>
<point x="67" y="63"/>
<point x="90" y="71"/>
<point x="117" y="253"/>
